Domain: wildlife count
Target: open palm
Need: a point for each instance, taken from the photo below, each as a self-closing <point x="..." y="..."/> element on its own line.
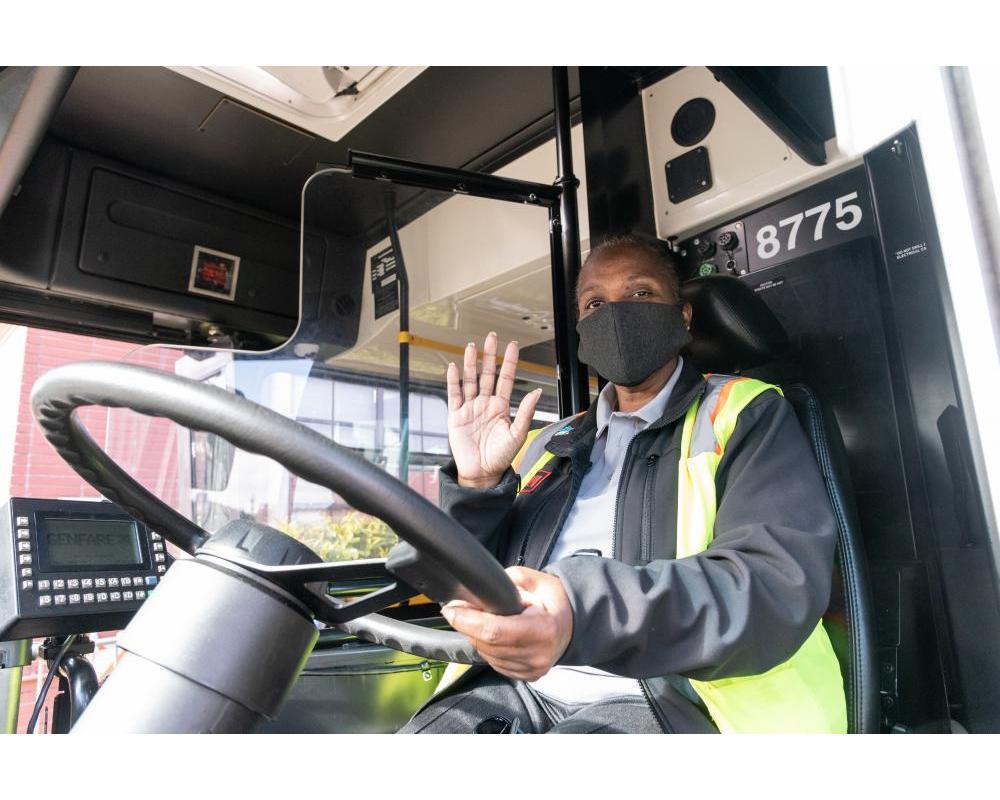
<point x="483" y="438"/>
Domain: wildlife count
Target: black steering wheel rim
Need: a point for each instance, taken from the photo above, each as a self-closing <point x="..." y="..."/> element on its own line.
<point x="304" y="452"/>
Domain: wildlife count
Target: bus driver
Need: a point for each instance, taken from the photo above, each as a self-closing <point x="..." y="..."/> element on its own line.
<point x="673" y="545"/>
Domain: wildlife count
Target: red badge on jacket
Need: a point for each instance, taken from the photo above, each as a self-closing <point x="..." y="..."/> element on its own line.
<point x="536" y="481"/>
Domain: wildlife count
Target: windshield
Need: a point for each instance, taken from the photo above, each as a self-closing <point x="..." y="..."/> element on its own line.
<point x="473" y="266"/>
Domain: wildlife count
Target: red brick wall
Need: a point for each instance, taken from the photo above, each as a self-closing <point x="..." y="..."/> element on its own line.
<point x="37" y="470"/>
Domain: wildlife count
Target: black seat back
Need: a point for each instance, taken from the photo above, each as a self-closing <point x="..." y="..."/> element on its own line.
<point x="849" y="619"/>
<point x="734" y="330"/>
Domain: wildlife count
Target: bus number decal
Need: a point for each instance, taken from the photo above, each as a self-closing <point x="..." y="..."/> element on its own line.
<point x="848" y="216"/>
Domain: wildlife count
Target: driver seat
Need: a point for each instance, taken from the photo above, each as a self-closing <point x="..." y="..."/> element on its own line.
<point x="734" y="330"/>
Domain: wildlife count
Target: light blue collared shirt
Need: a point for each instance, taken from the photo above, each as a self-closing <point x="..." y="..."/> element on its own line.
<point x="590" y="526"/>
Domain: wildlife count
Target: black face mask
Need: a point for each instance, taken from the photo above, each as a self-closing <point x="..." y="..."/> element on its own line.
<point x="627" y="342"/>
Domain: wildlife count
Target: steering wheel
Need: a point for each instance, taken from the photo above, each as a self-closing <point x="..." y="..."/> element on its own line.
<point x="441" y="558"/>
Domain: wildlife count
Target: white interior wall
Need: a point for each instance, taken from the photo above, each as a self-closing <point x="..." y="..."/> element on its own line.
<point x="474" y="265"/>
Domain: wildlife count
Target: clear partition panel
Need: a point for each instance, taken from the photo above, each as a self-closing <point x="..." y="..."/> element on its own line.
<point x="474" y="266"/>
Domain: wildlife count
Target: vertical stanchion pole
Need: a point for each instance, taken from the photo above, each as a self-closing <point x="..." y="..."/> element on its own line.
<point x="564" y="239"/>
<point x="404" y="337"/>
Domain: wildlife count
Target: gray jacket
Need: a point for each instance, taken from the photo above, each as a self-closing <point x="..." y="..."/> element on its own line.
<point x="742" y="606"/>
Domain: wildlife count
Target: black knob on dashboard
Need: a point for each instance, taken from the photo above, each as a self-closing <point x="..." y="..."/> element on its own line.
<point x="705" y="247"/>
<point x="729" y="241"/>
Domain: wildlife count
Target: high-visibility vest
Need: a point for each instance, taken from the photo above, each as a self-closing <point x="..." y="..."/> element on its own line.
<point x="805" y="693"/>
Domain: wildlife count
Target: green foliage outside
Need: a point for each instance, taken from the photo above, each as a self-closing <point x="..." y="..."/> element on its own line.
<point x="346" y="538"/>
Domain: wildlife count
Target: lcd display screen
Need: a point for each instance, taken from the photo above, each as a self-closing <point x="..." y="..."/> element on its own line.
<point x="87" y="542"/>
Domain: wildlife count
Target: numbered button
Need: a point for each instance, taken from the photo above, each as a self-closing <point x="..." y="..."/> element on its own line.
<point x="128" y="596"/>
<point x="126" y="581"/>
<point x="60" y="599"/>
<point x="22" y="520"/>
<point x="88" y="597"/>
<point x="27" y="584"/>
<point x="87" y="583"/>
<point x="23" y="534"/>
<point x="112" y="582"/>
<point x="102" y="597"/>
<point x="44" y="599"/>
<point x="25" y="572"/>
<point x="140" y="594"/>
<point x="74" y="598"/>
<point x="24" y="558"/>
<point x="73" y="583"/>
<point x="44" y="586"/>
<point x="100" y="583"/>
<point x="24" y="547"/>
<point x="58" y="583"/>
<point x="160" y="568"/>
<point x="137" y="580"/>
<point x="116" y="597"/>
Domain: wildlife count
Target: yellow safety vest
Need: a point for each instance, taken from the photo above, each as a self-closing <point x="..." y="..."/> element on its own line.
<point x="804" y="694"/>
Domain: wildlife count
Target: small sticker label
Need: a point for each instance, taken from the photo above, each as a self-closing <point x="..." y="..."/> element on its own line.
<point x="214" y="273"/>
<point x="384" y="284"/>
<point x="760" y="287"/>
<point x="912" y="250"/>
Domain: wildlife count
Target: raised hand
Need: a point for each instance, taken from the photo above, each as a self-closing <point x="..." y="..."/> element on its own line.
<point x="483" y="438"/>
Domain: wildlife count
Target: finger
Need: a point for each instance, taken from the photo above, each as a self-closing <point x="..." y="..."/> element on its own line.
<point x="513" y="669"/>
<point x="470" y="386"/>
<point x="454" y="390"/>
<point x="458" y="604"/>
<point x="525" y="413"/>
<point x="505" y="383"/>
<point x="480" y="626"/>
<point x="523" y="578"/>
<point x="488" y="374"/>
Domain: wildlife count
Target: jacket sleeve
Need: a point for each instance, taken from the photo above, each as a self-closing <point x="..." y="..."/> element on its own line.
<point x="482" y="511"/>
<point x="742" y="606"/>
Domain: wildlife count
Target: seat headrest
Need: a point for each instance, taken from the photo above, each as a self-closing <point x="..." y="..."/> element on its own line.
<point x="732" y="329"/>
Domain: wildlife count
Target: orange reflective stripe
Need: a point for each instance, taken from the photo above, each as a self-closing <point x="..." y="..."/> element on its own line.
<point x="720" y="403"/>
